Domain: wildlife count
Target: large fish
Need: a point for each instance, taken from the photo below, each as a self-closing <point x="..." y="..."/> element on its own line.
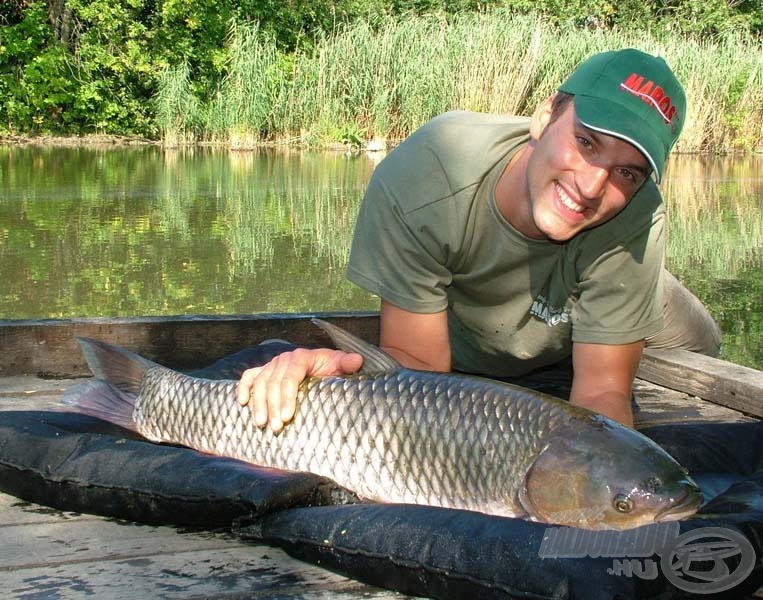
<point x="398" y="435"/>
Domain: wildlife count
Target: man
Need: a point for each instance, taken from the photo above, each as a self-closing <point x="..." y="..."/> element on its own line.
<point x="502" y="244"/>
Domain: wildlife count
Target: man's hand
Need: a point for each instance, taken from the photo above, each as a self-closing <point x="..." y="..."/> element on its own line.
<point x="271" y="390"/>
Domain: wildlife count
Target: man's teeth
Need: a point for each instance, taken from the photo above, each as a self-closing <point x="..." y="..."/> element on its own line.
<point x="569" y="202"/>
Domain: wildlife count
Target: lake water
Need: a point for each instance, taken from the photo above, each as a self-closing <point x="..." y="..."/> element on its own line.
<point x="141" y="231"/>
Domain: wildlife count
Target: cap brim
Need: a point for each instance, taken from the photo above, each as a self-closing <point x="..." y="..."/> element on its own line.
<point x="618" y="121"/>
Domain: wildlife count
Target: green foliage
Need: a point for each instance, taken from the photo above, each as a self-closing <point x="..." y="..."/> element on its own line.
<point x="32" y="72"/>
<point x="78" y="66"/>
<point x="98" y="82"/>
<point x="366" y="78"/>
<point x="752" y="12"/>
<point x="11" y="12"/>
<point x="705" y="17"/>
<point x="112" y="65"/>
<point x="177" y="109"/>
<point x="242" y="105"/>
<point x="192" y="33"/>
<point x="298" y="23"/>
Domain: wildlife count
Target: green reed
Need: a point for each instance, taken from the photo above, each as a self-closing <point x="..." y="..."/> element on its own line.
<point x="382" y="82"/>
<point x="177" y="108"/>
<point x="239" y="111"/>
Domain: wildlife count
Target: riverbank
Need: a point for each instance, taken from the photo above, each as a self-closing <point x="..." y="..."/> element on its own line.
<point x="384" y="82"/>
<point x="68" y="141"/>
<point x="364" y="88"/>
<point x="118" y="141"/>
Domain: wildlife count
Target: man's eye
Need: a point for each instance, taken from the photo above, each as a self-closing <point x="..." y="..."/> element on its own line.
<point x="629" y="175"/>
<point x="585" y="142"/>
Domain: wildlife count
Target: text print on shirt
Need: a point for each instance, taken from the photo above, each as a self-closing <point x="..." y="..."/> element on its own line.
<point x="552" y="315"/>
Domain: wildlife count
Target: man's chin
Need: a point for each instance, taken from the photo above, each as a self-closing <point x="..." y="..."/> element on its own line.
<point x="559" y="235"/>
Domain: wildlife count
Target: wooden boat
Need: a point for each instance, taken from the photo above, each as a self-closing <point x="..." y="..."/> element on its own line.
<point x="72" y="555"/>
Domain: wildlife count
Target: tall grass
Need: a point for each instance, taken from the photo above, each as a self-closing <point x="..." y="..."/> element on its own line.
<point x="239" y="112"/>
<point x="177" y="109"/>
<point x="383" y="82"/>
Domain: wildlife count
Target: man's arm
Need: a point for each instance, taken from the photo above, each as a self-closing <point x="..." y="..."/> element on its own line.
<point x="416" y="340"/>
<point x="603" y="378"/>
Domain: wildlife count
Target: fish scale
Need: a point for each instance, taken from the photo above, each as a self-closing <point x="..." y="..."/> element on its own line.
<point x="407" y="433"/>
<point x="397" y="435"/>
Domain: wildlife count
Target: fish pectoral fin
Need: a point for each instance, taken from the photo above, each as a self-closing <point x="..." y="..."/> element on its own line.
<point x="527" y="505"/>
<point x="375" y="360"/>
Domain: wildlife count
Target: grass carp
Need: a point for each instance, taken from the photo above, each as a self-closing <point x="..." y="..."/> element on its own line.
<point x="393" y="434"/>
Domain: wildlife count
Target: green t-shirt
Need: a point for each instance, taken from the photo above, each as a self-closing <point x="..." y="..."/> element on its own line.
<point x="429" y="237"/>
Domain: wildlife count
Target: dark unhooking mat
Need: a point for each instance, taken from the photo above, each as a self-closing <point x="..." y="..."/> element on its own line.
<point x="79" y="463"/>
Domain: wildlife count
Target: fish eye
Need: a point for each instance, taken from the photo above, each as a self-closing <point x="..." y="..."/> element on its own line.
<point x="623" y="503"/>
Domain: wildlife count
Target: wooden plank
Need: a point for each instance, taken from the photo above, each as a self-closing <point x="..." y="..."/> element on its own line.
<point x="31" y="386"/>
<point x="82" y="557"/>
<point x="27" y="392"/>
<point x="32" y="545"/>
<point x="15" y="511"/>
<point x="719" y="381"/>
<point x="656" y="405"/>
<point x="232" y="573"/>
<point x="49" y="348"/>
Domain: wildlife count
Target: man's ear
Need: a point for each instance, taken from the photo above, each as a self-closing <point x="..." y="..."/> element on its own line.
<point x="541" y="117"/>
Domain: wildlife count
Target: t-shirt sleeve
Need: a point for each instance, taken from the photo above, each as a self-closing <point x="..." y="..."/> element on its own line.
<point x="413" y="221"/>
<point x="396" y="253"/>
<point x="620" y="289"/>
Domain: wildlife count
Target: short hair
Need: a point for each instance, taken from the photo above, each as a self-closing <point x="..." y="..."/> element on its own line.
<point x="559" y="105"/>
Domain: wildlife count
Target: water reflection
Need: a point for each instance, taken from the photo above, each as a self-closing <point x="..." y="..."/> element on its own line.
<point x="715" y="244"/>
<point x="90" y="232"/>
<point x="139" y="231"/>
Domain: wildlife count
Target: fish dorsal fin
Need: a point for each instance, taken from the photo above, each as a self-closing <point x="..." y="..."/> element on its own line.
<point x="375" y="360"/>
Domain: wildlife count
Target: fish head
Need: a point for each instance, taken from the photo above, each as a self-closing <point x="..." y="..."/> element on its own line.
<point x="606" y="476"/>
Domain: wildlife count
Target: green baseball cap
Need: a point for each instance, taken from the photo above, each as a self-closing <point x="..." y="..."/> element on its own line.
<point x="633" y="96"/>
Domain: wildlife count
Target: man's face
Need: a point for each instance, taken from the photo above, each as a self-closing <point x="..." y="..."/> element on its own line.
<point x="578" y="178"/>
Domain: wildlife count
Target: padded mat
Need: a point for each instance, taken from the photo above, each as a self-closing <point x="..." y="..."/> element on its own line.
<point x="78" y="463"/>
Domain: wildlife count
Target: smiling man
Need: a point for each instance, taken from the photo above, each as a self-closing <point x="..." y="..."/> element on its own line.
<point x="502" y="244"/>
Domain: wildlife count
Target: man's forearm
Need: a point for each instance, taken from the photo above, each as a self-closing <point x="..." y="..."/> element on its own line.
<point x="617" y="406"/>
<point x="603" y="378"/>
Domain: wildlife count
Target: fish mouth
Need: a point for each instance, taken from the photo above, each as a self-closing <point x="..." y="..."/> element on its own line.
<point x="685" y="506"/>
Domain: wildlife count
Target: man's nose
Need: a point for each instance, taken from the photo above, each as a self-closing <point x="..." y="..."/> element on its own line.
<point x="592" y="179"/>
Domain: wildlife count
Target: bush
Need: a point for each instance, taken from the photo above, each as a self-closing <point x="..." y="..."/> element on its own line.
<point x="78" y="66"/>
<point x="34" y="91"/>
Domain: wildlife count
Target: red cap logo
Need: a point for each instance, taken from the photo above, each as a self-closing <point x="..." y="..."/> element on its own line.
<point x="652" y="94"/>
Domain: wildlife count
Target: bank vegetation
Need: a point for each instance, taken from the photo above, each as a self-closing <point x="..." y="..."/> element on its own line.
<point x="355" y="71"/>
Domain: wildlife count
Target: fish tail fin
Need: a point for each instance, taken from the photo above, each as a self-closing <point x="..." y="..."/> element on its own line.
<point x="121" y="368"/>
<point x="375" y="360"/>
<point x="102" y="400"/>
<point x="112" y="395"/>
